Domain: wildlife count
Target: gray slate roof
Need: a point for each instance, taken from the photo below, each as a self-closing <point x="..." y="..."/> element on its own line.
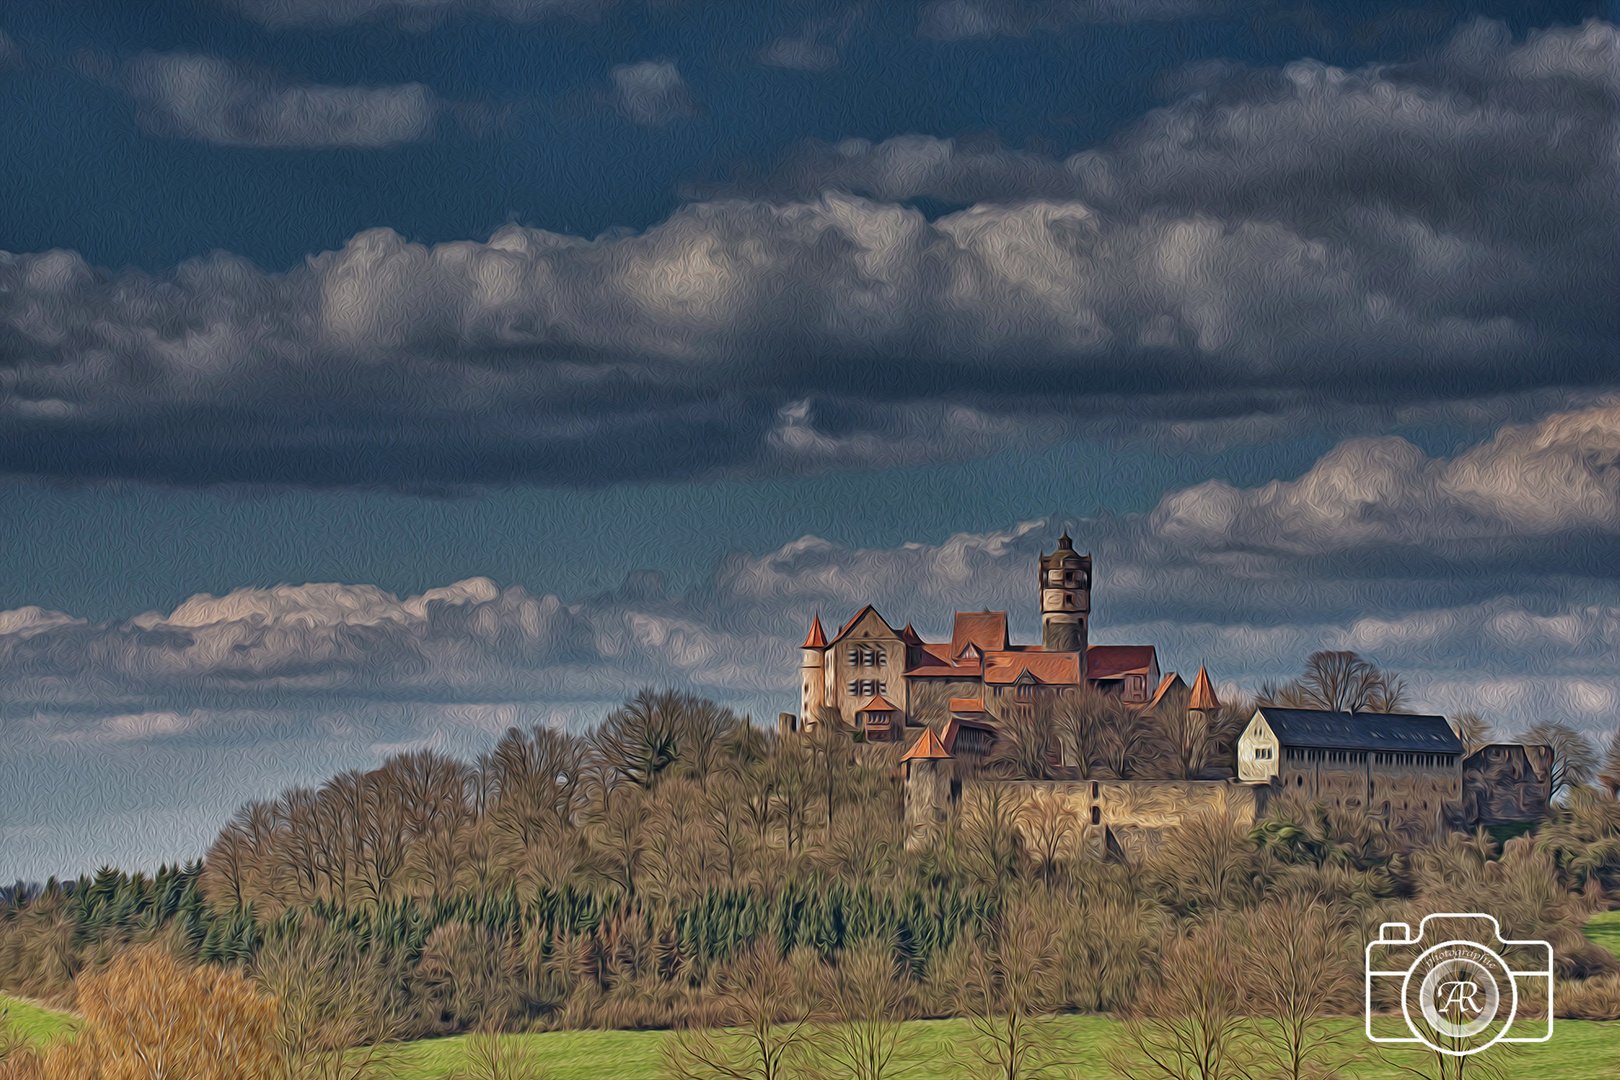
<point x="1390" y="732"/>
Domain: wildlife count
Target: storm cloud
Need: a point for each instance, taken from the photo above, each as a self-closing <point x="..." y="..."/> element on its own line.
<point x="1290" y="241"/>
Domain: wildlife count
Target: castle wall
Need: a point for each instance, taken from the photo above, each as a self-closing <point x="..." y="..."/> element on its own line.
<point x="1129" y="816"/>
<point x="1505" y="783"/>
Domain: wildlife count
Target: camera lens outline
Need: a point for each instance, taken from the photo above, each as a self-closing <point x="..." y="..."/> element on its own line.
<point x="1476" y="955"/>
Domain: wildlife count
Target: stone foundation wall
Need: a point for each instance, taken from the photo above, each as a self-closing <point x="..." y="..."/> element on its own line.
<point x="1068" y="817"/>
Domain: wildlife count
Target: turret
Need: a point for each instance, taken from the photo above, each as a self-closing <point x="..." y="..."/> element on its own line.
<point x="813" y="691"/>
<point x="1065" y="599"/>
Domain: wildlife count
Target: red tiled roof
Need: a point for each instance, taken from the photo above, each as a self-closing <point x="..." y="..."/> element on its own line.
<point x="817" y="638"/>
<point x="954" y="727"/>
<point x="910" y="636"/>
<point x="1113" y="661"/>
<point x="1053" y="669"/>
<point x="942" y="671"/>
<point x="877" y="704"/>
<point x="986" y="629"/>
<point x="926" y="746"/>
<point x="967" y="704"/>
<point x="1203" y="694"/>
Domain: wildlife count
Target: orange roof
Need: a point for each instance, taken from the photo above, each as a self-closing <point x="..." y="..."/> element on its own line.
<point x="1054" y="669"/>
<point x="967" y="704"/>
<point x="927" y="746"/>
<point x="851" y="624"/>
<point x="1113" y="661"/>
<point x="877" y="704"/>
<point x="986" y="629"/>
<point x="1165" y="684"/>
<point x="1203" y="694"/>
<point x="817" y="638"/>
<point x="910" y="636"/>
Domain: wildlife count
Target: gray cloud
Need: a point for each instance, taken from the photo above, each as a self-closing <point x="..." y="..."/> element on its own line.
<point x="191" y="96"/>
<point x="1304" y="244"/>
<point x="651" y="93"/>
<point x="953" y="20"/>
<point x="817" y="45"/>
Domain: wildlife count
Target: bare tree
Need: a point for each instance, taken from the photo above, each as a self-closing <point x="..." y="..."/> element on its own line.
<point x="1340" y="682"/>
<point x="1191" y="1024"/>
<point x="1299" y="970"/>
<point x="1609" y="777"/>
<point x="1050" y="827"/>
<point x="1472" y="729"/>
<point x="1027" y="746"/>
<point x="1575" y="763"/>
<point x="760" y="1029"/>
<point x="869" y="997"/>
<point x="1010" y="985"/>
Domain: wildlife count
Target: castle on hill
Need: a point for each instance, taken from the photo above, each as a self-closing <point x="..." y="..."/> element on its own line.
<point x="880" y="679"/>
<point x="956" y="694"/>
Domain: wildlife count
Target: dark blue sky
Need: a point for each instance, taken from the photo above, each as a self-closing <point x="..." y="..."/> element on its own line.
<point x="1299" y="315"/>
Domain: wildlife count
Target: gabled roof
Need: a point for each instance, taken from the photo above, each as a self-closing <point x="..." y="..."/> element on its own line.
<point x="957" y="724"/>
<point x="1203" y="694"/>
<point x="1053" y="669"/>
<point x="817" y="638"/>
<point x="1116" y="661"/>
<point x="910" y="636"/>
<point x="986" y="629"/>
<point x="1394" y="732"/>
<point x="967" y="704"/>
<point x="877" y="704"/>
<point x="927" y="746"/>
<point x="859" y="615"/>
<point x="1166" y="684"/>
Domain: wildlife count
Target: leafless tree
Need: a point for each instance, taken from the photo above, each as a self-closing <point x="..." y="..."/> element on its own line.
<point x="1027" y="746"/>
<point x="1609" y="777"/>
<point x="1190" y="1025"/>
<point x="1575" y="763"/>
<point x="1010" y="984"/>
<point x="868" y="997"/>
<point x="760" y="1027"/>
<point x="1050" y="827"/>
<point x="1472" y="729"/>
<point x="1340" y="682"/>
<point x="1300" y="969"/>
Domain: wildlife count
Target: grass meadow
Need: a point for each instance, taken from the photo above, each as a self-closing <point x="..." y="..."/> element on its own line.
<point x="1579" y="1050"/>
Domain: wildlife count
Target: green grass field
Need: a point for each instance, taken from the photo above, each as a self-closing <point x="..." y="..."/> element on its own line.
<point x="1579" y="1050"/>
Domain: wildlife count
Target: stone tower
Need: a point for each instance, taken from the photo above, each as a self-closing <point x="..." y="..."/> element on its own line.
<point x="1065" y="599"/>
<point x="928" y="783"/>
<point x="813" y="692"/>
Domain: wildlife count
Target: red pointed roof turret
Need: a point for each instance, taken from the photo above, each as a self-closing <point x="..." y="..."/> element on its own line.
<point x="928" y="746"/>
<point x="817" y="638"/>
<point x="1203" y="694"/>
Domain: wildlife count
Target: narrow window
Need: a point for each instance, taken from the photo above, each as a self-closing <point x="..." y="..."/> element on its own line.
<point x="882" y="658"/>
<point x="854" y="657"/>
<point x="1096" y="815"/>
<point x="854" y="688"/>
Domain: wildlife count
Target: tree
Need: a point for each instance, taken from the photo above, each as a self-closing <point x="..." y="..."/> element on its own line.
<point x="758" y="1026"/>
<point x="148" y="1017"/>
<point x="1010" y="984"/>
<point x="1610" y="776"/>
<point x="868" y="996"/>
<point x="1190" y="1025"/>
<point x="1339" y="682"/>
<point x="1299" y="969"/>
<point x="1081" y="723"/>
<point x="1473" y="729"/>
<point x="1027" y="745"/>
<point x="1574" y="761"/>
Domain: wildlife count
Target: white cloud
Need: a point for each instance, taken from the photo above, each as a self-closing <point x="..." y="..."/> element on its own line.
<point x="955" y="19"/>
<point x="651" y="93"/>
<point x="192" y="96"/>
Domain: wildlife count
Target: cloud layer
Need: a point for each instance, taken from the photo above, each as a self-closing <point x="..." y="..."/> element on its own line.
<point x="190" y="96"/>
<point x="1282" y="241"/>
